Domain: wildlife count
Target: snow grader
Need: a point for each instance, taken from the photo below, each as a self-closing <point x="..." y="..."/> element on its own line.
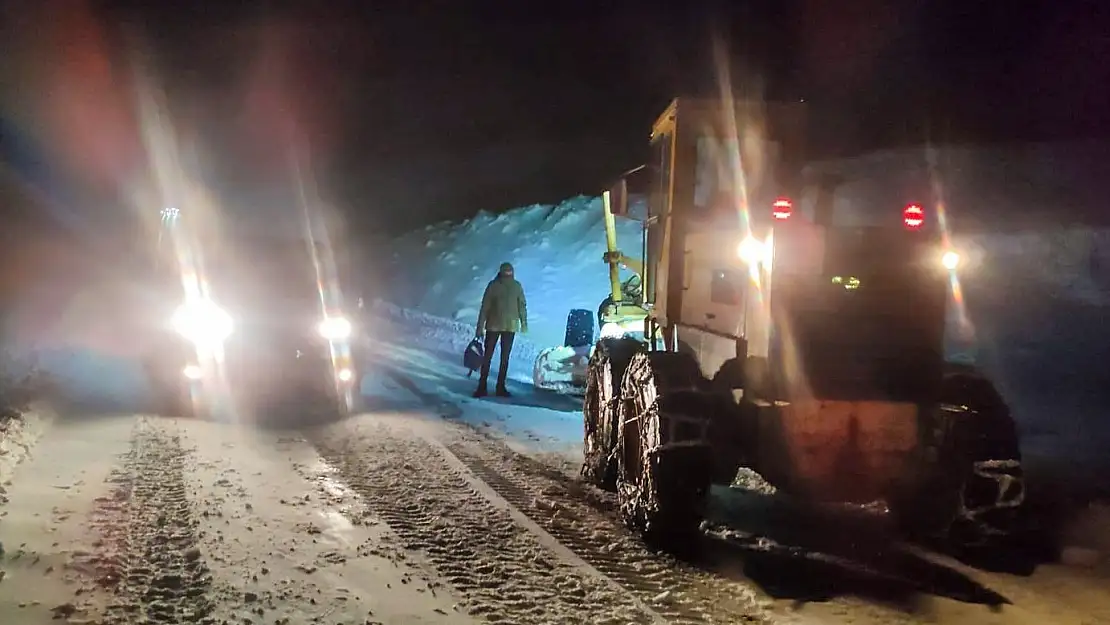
<point x="791" y="343"/>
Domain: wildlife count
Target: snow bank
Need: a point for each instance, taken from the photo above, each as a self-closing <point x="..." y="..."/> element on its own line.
<point x="19" y="431"/>
<point x="556" y="251"/>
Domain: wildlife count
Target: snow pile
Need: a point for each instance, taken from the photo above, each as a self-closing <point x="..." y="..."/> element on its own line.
<point x="556" y="252"/>
<point x="23" y="417"/>
<point x="19" y="431"/>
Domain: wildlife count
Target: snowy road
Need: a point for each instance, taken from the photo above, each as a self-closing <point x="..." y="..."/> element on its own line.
<point x="392" y="518"/>
<point x="377" y="519"/>
<point x="131" y="520"/>
<point x="435" y="508"/>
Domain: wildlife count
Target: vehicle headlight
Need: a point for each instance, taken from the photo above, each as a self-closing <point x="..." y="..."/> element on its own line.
<point x="334" y="328"/>
<point x="202" y="322"/>
<point x="950" y="260"/>
<point x="752" y="251"/>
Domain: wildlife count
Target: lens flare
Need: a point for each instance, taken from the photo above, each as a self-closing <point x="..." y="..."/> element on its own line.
<point x="334" y="328"/>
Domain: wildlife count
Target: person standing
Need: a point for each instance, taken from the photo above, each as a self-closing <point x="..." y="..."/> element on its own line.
<point x="504" y="312"/>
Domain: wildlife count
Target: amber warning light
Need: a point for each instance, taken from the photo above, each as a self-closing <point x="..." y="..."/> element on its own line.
<point x="913" y="216"/>
<point x="783" y="208"/>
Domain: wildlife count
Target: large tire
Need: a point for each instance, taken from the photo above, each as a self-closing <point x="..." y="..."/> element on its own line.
<point x="600" y="409"/>
<point x="976" y="497"/>
<point x="663" y="448"/>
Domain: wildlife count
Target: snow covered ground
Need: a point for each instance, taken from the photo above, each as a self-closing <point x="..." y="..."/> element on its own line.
<point x="539" y="424"/>
<point x="19" y="431"/>
<point x="430" y="349"/>
<point x="167" y="522"/>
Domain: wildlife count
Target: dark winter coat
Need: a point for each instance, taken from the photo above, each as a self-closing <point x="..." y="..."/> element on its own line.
<point x="504" y="308"/>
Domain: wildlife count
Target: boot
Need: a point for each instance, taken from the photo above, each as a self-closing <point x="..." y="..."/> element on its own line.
<point x="481" y="391"/>
<point x="502" y="392"/>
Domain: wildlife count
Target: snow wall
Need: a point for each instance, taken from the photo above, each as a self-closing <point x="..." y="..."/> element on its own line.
<point x="556" y="252"/>
<point x="1035" y="283"/>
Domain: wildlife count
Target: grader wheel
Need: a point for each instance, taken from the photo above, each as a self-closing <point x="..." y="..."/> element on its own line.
<point x="600" y="410"/>
<point x="975" y="499"/>
<point x="982" y="450"/>
<point x="665" y="465"/>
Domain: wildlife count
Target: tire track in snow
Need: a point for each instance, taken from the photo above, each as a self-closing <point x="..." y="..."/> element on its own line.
<point x="149" y="553"/>
<point x="674" y="590"/>
<point x="503" y="570"/>
<point x="588" y="525"/>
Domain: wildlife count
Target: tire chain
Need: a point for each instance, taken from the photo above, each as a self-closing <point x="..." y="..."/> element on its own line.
<point x="502" y="570"/>
<point x="150" y="555"/>
<point x="655" y="492"/>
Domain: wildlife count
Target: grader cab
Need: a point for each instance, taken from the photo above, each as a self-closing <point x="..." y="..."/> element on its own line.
<point x="788" y="340"/>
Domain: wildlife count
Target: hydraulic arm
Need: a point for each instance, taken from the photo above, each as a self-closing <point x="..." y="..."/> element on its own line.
<point x="618" y="310"/>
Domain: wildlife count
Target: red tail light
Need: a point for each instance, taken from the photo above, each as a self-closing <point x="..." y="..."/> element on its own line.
<point x="783" y="208"/>
<point x="913" y="216"/>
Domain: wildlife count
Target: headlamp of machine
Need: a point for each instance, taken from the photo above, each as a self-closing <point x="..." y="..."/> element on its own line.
<point x="202" y="322"/>
<point x="334" y="328"/>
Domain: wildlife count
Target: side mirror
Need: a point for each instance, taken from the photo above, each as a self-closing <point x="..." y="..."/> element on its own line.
<point x="618" y="198"/>
<point x="634" y="182"/>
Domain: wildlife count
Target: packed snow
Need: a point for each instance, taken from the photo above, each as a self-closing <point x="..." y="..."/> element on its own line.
<point x="428" y="350"/>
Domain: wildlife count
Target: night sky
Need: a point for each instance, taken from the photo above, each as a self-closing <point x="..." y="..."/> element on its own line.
<point x="419" y="111"/>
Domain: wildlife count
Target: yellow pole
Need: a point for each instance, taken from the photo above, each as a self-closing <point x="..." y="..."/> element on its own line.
<point x="611" y="246"/>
